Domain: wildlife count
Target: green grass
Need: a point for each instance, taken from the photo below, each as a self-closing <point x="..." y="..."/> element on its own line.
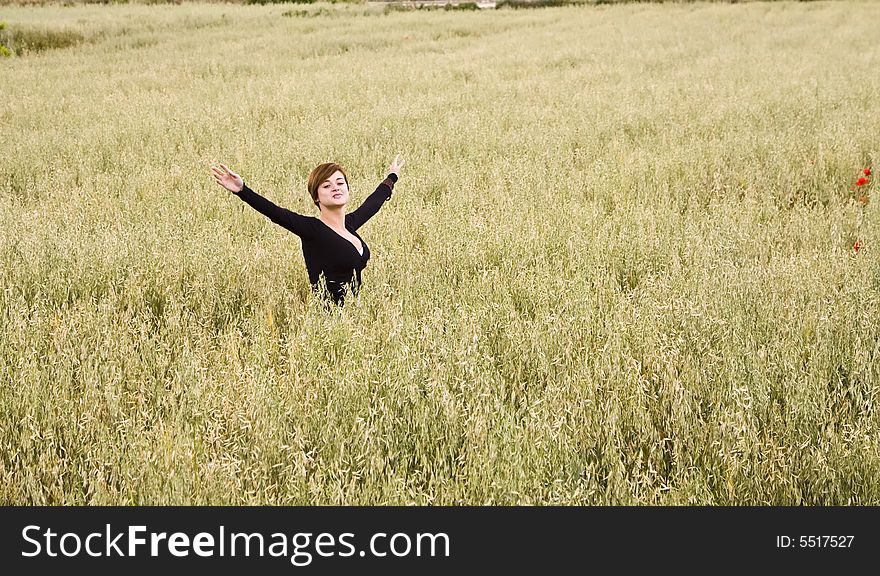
<point x="618" y="268"/>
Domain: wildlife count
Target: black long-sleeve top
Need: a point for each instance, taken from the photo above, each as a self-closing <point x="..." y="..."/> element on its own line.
<point x="325" y="251"/>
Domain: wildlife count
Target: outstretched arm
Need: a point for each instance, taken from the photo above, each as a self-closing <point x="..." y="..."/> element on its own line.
<point x="375" y="200"/>
<point x="294" y="222"/>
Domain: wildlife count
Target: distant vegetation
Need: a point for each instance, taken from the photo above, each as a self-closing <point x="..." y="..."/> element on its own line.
<point x="29" y="39"/>
<point x="501" y="3"/>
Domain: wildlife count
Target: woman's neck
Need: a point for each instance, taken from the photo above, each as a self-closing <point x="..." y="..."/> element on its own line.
<point x="333" y="217"/>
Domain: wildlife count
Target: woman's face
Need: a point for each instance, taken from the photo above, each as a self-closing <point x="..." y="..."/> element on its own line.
<point x="333" y="192"/>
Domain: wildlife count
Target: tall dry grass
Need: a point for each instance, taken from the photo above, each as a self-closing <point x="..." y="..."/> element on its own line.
<point x="618" y="268"/>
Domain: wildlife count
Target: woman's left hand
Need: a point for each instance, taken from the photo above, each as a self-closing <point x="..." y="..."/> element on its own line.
<point x="396" y="165"/>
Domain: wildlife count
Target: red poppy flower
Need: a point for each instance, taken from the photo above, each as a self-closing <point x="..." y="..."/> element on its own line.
<point x="857" y="246"/>
<point x="867" y="171"/>
<point x="861" y="181"/>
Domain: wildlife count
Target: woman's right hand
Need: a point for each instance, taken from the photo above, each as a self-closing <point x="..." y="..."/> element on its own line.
<point x="227" y="178"/>
<point x="396" y="165"/>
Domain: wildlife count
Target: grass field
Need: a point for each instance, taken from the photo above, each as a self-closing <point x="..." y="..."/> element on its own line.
<point x="618" y="267"/>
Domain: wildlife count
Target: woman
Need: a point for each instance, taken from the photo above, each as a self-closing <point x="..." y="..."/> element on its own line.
<point x="331" y="245"/>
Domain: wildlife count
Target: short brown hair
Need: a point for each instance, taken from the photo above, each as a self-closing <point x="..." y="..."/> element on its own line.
<point x="321" y="173"/>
